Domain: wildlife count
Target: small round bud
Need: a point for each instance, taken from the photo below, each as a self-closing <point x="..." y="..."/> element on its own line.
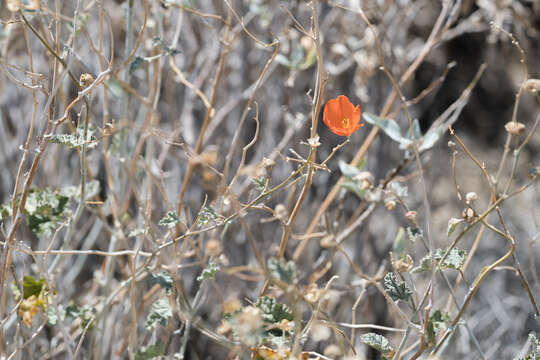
<point x="280" y="212"/>
<point x="332" y="351"/>
<point x="213" y="248"/>
<point x="403" y="264"/>
<point x="515" y="128"/>
<point x="468" y="215"/>
<point x="534" y="172"/>
<point x="312" y="293"/>
<point x="411" y="216"/>
<point x="329" y="241"/>
<point x="471" y="196"/>
<point x="451" y="144"/>
<point x="532" y="85"/>
<point x="366" y="179"/>
<point x="390" y="204"/>
<point x="86" y="79"/>
<point x="268" y="164"/>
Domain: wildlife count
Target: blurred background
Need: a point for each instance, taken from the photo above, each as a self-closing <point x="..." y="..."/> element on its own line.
<point x="191" y="36"/>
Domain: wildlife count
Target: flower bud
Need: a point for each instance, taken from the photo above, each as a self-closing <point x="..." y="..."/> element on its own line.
<point x="390" y="204"/>
<point x="411" y="216"/>
<point x="365" y="178"/>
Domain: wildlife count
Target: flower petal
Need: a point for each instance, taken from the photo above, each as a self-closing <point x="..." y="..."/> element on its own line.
<point x="346" y="106"/>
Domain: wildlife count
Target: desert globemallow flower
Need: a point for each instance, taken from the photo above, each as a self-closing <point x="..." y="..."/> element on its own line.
<point x="341" y="116"/>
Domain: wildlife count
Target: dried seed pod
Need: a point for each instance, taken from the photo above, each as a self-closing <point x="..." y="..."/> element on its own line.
<point x="471" y="196"/>
<point x="366" y="179"/>
<point x="468" y="215"/>
<point x="532" y="85"/>
<point x="329" y="241"/>
<point x="280" y="212"/>
<point x="390" y="204"/>
<point x="86" y="79"/>
<point x="268" y="164"/>
<point x="515" y="128"/>
<point x="404" y="264"/>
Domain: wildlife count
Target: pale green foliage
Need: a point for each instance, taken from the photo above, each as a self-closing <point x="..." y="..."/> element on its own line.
<point x="273" y="312"/>
<point x="170" y="220"/>
<point x="164" y="280"/>
<point x="454" y="260"/>
<point x="206" y="215"/>
<point x="210" y="271"/>
<point x="378" y="342"/>
<point x="159" y="314"/>
<point x="283" y="271"/>
<point x="76" y="140"/>
<point x="452" y="225"/>
<point x="395" y="288"/>
<point x="150" y="352"/>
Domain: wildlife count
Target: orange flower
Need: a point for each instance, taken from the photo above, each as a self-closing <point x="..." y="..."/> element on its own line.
<point x="341" y="116"/>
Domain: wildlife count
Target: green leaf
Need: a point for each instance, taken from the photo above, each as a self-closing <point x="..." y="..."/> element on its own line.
<point x="86" y="313"/>
<point x="399" y="189"/>
<point x="430" y="139"/>
<point x="16" y="292"/>
<point x="76" y="140"/>
<point x="378" y="342"/>
<point x="73" y="311"/>
<point x="164" y="280"/>
<point x="150" y="352"/>
<point x="389" y="126"/>
<point x="170" y="220"/>
<point x="115" y="87"/>
<point x="452" y="225"/>
<point x="535" y="348"/>
<point x="44" y="208"/>
<point x="414" y="233"/>
<point x="425" y="265"/>
<point x="395" y="288"/>
<point x="310" y="59"/>
<point x="354" y="187"/>
<point x="210" y="271"/>
<point x="91" y="189"/>
<point x="281" y="270"/>
<point x="437" y="322"/>
<point x="5" y="211"/>
<point x="159" y="314"/>
<point x="136" y="232"/>
<point x="416" y="129"/>
<point x="260" y="183"/>
<point x="399" y="242"/>
<point x="454" y="260"/>
<point x="348" y="170"/>
<point x="282" y="60"/>
<point x="135" y="64"/>
<point x="52" y="317"/>
<point x="206" y="215"/>
<point x="273" y="312"/>
<point x="32" y="286"/>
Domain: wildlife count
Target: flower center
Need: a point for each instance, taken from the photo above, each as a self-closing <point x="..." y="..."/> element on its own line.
<point x="345" y="123"/>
